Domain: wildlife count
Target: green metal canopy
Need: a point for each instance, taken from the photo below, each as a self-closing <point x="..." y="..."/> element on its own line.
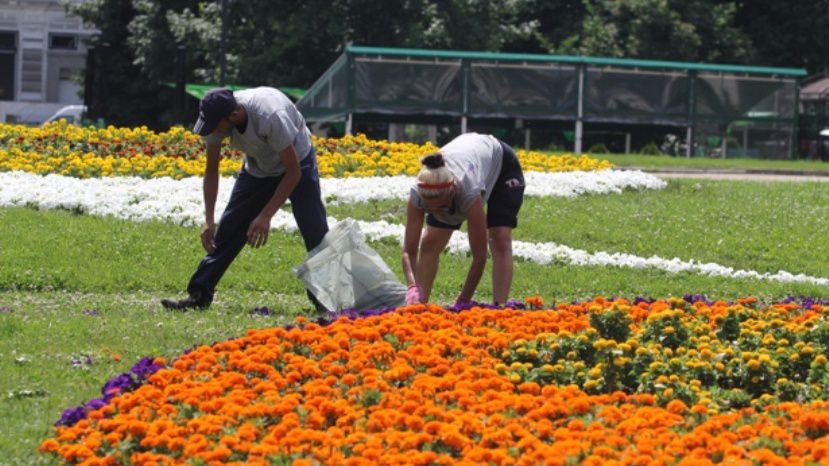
<point x="198" y="90"/>
<point x="603" y="61"/>
<point x="698" y="99"/>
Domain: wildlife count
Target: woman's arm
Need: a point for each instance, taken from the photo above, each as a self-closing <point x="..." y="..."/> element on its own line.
<point x="411" y="241"/>
<point x="476" y="224"/>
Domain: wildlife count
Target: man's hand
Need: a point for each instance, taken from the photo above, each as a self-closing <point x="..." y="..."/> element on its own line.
<point x="258" y="231"/>
<point x="208" y="231"/>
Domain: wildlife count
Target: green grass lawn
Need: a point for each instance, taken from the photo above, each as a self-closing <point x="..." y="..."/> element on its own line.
<point x="665" y="161"/>
<point x="55" y="265"/>
<point x="745" y="225"/>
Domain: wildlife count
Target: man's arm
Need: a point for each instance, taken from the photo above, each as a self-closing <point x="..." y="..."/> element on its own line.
<point x="210" y="188"/>
<point x="260" y="227"/>
<point x="477" y="232"/>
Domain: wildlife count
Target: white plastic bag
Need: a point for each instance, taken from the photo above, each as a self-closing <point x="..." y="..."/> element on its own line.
<point x="343" y="272"/>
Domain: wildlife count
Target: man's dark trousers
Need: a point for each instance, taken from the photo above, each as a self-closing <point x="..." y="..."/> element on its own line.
<point x="250" y="195"/>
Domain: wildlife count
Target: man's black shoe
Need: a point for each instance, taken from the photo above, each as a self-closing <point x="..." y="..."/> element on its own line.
<point x="190" y="302"/>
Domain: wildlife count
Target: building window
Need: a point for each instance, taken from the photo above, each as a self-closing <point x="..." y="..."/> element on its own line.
<point x="8" y="49"/>
<point x="8" y="40"/>
<point x="63" y="41"/>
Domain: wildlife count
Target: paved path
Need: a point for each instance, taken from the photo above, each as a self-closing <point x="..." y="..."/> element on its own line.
<point x="748" y="174"/>
<point x="759" y="177"/>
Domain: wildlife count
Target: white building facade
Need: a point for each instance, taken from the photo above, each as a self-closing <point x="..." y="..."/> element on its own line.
<point x="42" y="57"/>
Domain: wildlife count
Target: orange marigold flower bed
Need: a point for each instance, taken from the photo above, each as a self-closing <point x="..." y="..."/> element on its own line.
<point x="422" y="385"/>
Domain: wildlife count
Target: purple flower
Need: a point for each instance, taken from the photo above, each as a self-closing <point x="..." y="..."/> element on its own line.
<point x="262" y="311"/>
<point x="71" y="416"/>
<point x="641" y="299"/>
<point x="117" y="385"/>
<point x="515" y="304"/>
<point x="121" y="383"/>
<point x="94" y="404"/>
<point x="5" y="310"/>
<point x="144" y="368"/>
<point x="470" y="304"/>
<point x="89" y="312"/>
<point x="693" y="298"/>
<point x="350" y="314"/>
<point x="82" y="360"/>
<point x="807" y="302"/>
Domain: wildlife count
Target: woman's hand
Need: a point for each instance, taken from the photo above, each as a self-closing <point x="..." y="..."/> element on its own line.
<point x="414" y="295"/>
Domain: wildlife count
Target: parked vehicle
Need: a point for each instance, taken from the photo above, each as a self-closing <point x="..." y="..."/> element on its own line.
<point x="823" y="145"/>
<point x="73" y="114"/>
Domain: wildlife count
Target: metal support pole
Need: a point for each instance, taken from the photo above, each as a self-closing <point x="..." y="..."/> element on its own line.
<point x="527" y="137"/>
<point x="795" y="135"/>
<point x="580" y="112"/>
<point x="627" y="143"/>
<point x="745" y="142"/>
<point x="692" y="114"/>
<point x="464" y="93"/>
<point x="689" y="141"/>
<point x="578" y="137"/>
<point x="350" y="91"/>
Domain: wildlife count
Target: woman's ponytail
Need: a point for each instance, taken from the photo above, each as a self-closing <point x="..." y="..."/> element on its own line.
<point x="434" y="178"/>
<point x="433" y="161"/>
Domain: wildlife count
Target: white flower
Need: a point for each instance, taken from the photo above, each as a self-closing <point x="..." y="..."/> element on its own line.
<point x="181" y="202"/>
<point x="564" y="184"/>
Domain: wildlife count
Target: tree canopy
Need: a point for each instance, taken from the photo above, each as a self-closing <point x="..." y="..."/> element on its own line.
<point x="144" y="43"/>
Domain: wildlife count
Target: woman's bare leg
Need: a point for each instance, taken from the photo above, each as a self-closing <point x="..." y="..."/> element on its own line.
<point x="433" y="242"/>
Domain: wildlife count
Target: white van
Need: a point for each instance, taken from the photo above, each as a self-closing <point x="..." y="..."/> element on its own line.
<point x="73" y="114"/>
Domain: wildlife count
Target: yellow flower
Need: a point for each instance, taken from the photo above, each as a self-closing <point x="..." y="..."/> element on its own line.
<point x="178" y="153"/>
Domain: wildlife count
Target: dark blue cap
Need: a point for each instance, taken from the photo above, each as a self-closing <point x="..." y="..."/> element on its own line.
<point x="216" y="104"/>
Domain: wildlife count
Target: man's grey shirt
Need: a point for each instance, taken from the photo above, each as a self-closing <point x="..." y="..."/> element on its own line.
<point x="274" y="123"/>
